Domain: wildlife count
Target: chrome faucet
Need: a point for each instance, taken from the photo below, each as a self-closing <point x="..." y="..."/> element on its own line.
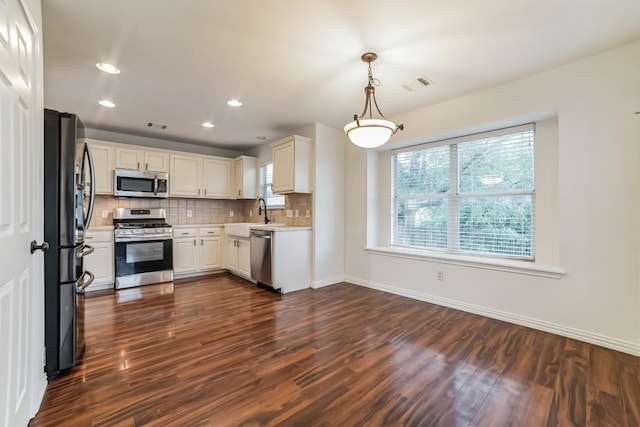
<point x="266" y="218"/>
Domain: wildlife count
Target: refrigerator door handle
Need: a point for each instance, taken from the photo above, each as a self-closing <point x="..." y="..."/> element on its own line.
<point x="80" y="287"/>
<point x="92" y="194"/>
<point x="86" y="250"/>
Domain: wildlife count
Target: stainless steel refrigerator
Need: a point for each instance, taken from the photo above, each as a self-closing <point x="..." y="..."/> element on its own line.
<point x="69" y="192"/>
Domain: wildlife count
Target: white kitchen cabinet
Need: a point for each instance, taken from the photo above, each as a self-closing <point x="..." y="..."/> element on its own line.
<point x="246" y="177"/>
<point x="292" y="165"/>
<point x="101" y="261"/>
<point x="239" y="256"/>
<point x="185" y="176"/>
<point x="135" y="157"/>
<point x="200" y="177"/>
<point x="291" y="258"/>
<point x="185" y="250"/>
<point x="103" y="163"/>
<point x="196" y="250"/>
<point x="216" y="178"/>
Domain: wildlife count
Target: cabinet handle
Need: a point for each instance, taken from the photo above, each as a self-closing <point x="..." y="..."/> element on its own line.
<point x="194" y="242"/>
<point x="146" y="166"/>
<point x="184" y="234"/>
<point x="201" y="242"/>
<point x="239" y="192"/>
<point x="88" y="237"/>
<point x="235" y="243"/>
<point x="198" y="191"/>
<point x="210" y="232"/>
<point x="205" y="191"/>
<point x="138" y="165"/>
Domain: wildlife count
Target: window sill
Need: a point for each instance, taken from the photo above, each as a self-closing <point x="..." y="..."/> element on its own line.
<point x="508" y="265"/>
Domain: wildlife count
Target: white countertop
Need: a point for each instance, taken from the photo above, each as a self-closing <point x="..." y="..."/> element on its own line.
<point x="280" y="227"/>
<point x="100" y="228"/>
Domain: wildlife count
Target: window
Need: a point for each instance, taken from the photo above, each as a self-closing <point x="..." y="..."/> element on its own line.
<point x="266" y="179"/>
<point x="469" y="195"/>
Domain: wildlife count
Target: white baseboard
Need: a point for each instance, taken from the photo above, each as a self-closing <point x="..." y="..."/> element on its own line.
<point x="327" y="282"/>
<point x="554" y="328"/>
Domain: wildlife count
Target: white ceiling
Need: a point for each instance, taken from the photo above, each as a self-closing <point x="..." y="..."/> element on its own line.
<point x="294" y="62"/>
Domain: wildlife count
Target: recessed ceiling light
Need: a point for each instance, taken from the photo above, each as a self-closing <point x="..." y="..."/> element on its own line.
<point x="261" y="137"/>
<point x="208" y="124"/>
<point x="234" y="103"/>
<point x="108" y="68"/>
<point x="106" y="103"/>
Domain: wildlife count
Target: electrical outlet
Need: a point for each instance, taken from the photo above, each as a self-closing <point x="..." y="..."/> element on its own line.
<point x="440" y="275"/>
<point x="231" y="214"/>
<point x="189" y="213"/>
<point x="297" y="213"/>
<point x="308" y="214"/>
<point x="289" y="213"/>
<point x="251" y="213"/>
<point x="105" y="213"/>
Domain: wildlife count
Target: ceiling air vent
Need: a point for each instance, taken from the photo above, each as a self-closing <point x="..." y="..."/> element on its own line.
<point x="155" y="125"/>
<point x="416" y="84"/>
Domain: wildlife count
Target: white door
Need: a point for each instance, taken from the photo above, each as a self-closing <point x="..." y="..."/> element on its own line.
<point x="216" y="178"/>
<point x="129" y="158"/>
<point x="185" y="255"/>
<point x="21" y="214"/>
<point x="244" y="257"/>
<point x="185" y="176"/>
<point x="156" y="161"/>
<point x="209" y="253"/>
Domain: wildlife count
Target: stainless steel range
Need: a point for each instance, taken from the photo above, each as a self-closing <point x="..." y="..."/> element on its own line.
<point x="143" y="247"/>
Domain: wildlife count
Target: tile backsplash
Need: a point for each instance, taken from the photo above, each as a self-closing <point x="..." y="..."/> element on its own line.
<point x="201" y="211"/>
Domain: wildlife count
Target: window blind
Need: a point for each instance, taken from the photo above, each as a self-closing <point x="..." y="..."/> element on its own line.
<point x="474" y="194"/>
<point x="266" y="179"/>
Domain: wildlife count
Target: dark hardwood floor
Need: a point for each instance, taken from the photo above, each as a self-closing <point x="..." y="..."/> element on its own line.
<point x="219" y="351"/>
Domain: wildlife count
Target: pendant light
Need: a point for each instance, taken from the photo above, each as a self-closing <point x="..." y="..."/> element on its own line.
<point x="365" y="131"/>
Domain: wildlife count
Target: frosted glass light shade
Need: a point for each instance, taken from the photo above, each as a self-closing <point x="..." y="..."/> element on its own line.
<point x="371" y="133"/>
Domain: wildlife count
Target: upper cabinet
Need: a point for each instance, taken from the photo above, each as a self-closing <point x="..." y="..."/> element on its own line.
<point x="200" y="176"/>
<point x="292" y="165"/>
<point x="246" y="177"/>
<point x="141" y="159"/>
<point x="102" y="155"/>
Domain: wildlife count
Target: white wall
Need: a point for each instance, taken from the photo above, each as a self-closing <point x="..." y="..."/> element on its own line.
<point x="328" y="206"/>
<point x="597" y="209"/>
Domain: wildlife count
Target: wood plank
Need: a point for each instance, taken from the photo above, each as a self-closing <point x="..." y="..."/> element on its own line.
<point x="218" y="351"/>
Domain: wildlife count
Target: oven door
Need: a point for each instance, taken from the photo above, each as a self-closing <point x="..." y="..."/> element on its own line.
<point x="143" y="256"/>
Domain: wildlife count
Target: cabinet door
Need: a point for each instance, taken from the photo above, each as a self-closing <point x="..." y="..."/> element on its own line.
<point x="185" y="255"/>
<point x="184" y="176"/>
<point x="216" y="178"/>
<point x="209" y="253"/>
<point x="283" y="167"/>
<point x="232" y="254"/>
<point x="246" y="178"/>
<point x="237" y="168"/>
<point x="129" y="158"/>
<point x="100" y="263"/>
<point x="244" y="257"/>
<point x="103" y="167"/>
<point x="156" y="161"/>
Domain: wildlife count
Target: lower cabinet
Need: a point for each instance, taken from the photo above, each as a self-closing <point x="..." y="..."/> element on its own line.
<point x="239" y="256"/>
<point x="101" y="261"/>
<point x="196" y="250"/>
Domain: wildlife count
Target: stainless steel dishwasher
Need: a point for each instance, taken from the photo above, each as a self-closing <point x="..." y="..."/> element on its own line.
<point x="261" y="249"/>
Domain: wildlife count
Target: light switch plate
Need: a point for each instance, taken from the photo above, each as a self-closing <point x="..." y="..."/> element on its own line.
<point x="105" y="213"/>
<point x="289" y="213"/>
<point x="308" y="214"/>
<point x="297" y="213"/>
<point x="189" y="213"/>
<point x="231" y="213"/>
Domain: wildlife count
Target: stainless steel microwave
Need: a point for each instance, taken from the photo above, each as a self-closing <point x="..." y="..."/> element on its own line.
<point x="135" y="183"/>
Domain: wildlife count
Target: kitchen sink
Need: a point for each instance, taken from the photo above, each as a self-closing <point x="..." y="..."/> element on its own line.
<point x="239" y="229"/>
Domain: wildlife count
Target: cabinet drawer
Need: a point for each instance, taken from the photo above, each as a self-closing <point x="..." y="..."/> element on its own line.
<point x="99" y="236"/>
<point x="184" y="232"/>
<point x="211" y="232"/>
